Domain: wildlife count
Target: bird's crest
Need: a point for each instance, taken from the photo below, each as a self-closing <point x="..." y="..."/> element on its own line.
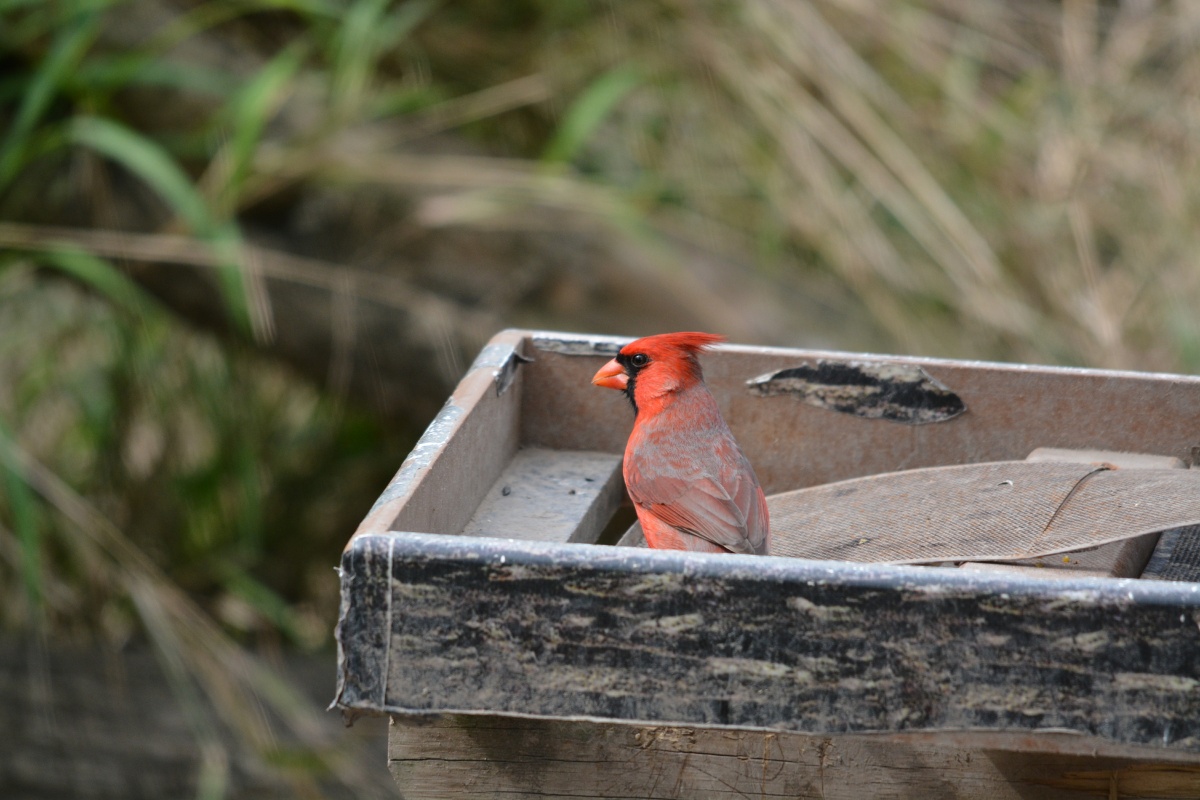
<point x="691" y="342"/>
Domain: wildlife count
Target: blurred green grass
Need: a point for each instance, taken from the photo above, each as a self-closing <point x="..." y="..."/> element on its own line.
<point x="985" y="179"/>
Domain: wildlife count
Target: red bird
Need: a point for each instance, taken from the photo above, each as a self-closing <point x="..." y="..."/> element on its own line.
<point x="690" y="483"/>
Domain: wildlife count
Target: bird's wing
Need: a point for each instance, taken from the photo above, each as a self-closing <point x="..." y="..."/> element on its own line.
<point x="727" y="509"/>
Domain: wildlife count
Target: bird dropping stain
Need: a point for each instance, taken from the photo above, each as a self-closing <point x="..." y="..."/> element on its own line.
<point x="903" y="393"/>
<point x="583" y="346"/>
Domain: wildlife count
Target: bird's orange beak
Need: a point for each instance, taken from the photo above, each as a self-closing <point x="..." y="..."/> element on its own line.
<point x="611" y="376"/>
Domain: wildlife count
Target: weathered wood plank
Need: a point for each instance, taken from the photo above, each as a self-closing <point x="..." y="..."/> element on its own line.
<point x="491" y="756"/>
<point x="1121" y="559"/>
<point x="1012" y="409"/>
<point x="463" y="450"/>
<point x="1176" y="557"/>
<point x="996" y="511"/>
<point x="493" y="626"/>
<point x="551" y="496"/>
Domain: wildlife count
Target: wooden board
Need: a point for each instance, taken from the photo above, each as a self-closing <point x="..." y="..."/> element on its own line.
<point x="1011" y="410"/>
<point x="490" y="756"/>
<point x="1122" y="559"/>
<point x="819" y="652"/>
<point x="464" y="450"/>
<point x="1176" y="557"/>
<point x="459" y="624"/>
<point x="551" y="496"/>
<point x="997" y="511"/>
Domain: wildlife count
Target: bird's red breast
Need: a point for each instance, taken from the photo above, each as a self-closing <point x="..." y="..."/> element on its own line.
<point x="690" y="483"/>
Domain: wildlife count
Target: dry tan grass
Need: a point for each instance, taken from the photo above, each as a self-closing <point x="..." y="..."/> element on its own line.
<point x="991" y="179"/>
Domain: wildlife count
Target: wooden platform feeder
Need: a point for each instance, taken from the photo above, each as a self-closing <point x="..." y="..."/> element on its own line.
<point x="519" y="658"/>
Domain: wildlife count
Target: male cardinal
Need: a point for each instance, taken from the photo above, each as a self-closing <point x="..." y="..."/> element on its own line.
<point x="690" y="483"/>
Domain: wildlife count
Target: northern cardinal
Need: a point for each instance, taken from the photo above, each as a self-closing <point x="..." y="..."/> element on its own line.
<point x="690" y="483"/>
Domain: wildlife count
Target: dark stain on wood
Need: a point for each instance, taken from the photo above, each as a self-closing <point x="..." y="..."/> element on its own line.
<point x="1177" y="556"/>
<point x="458" y="624"/>
<point x="873" y="389"/>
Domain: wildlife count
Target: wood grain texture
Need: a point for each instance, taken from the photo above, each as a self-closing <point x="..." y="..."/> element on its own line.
<point x="487" y="626"/>
<point x="551" y="496"/>
<point x="1120" y="559"/>
<point x="435" y="757"/>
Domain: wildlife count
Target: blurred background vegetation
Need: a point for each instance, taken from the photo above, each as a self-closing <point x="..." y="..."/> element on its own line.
<point x="248" y="246"/>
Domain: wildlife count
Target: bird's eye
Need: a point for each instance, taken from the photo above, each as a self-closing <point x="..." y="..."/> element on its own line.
<point x="639" y="360"/>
